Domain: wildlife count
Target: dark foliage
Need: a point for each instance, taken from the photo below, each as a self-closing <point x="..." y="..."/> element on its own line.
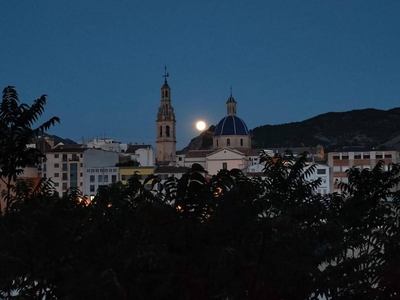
<point x="230" y="237"/>
<point x="227" y="237"/>
<point x="16" y="133"/>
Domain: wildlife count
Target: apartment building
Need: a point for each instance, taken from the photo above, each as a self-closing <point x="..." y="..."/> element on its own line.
<point x="66" y="166"/>
<point x="95" y="177"/>
<point x="142" y="154"/>
<point x="341" y="160"/>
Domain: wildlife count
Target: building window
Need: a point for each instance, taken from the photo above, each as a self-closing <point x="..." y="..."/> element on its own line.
<point x="167" y="131"/>
<point x="321" y="171"/>
<point x="228" y="142"/>
<point x="379" y="156"/>
<point x="366" y="156"/>
<point x="81" y="155"/>
<point x="56" y="165"/>
<point x="217" y="143"/>
<point x="81" y="174"/>
<point x="180" y="158"/>
<point x="56" y="174"/>
<point x="345" y="157"/>
<point x="65" y="167"/>
<point x="81" y="164"/>
<point x="100" y="178"/>
<point x="357" y="156"/>
<point x="64" y="186"/>
<point x="161" y="131"/>
<point x="81" y="183"/>
<point x="92" y="178"/>
<point x="44" y="168"/>
<point x="56" y="155"/>
<point x="113" y="178"/>
<point x="388" y="155"/>
<point x="64" y="158"/>
<point x="336" y="157"/>
<point x="166" y="95"/>
<point x="65" y="176"/>
<point x="224" y="166"/>
<point x="241" y="142"/>
<point x="56" y="184"/>
<point x="105" y="178"/>
<point x="336" y="169"/>
<point x="92" y="188"/>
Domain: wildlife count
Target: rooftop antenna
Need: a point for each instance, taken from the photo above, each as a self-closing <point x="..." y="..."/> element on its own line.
<point x="166" y="74"/>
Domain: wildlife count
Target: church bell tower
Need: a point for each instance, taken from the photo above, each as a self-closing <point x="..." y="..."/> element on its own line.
<point x="166" y="137"/>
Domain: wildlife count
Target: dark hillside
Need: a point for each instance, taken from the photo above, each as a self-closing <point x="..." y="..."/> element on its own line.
<point x="364" y="127"/>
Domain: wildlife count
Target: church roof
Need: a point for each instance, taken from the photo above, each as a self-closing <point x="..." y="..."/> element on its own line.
<point x="198" y="153"/>
<point x="231" y="125"/>
<point x="165" y="86"/>
<point x="230" y="99"/>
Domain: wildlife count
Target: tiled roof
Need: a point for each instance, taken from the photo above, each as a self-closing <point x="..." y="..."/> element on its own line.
<point x="198" y="153"/>
<point x="231" y="125"/>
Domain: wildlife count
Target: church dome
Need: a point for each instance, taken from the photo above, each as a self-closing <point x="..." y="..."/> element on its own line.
<point x="231" y="125"/>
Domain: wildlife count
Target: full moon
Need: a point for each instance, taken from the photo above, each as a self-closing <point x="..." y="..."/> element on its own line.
<point x="200" y="125"/>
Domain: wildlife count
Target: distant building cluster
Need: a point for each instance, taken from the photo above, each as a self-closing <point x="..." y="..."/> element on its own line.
<point x="99" y="162"/>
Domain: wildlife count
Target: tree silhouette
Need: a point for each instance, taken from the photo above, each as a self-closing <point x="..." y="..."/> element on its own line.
<point x="16" y="133"/>
<point x="230" y="237"/>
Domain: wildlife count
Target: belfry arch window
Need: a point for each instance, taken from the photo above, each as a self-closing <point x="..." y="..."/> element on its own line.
<point x="167" y="131"/>
<point x="160" y="131"/>
<point x="217" y="143"/>
<point x="166" y="93"/>
<point x="241" y="142"/>
<point x="228" y="142"/>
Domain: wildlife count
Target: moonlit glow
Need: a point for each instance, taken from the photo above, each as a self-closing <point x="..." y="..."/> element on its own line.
<point x="200" y="125"/>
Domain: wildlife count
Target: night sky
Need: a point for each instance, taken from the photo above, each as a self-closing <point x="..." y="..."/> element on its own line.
<point x="101" y="62"/>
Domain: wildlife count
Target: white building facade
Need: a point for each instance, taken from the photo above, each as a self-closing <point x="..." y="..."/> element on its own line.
<point x="66" y="166"/>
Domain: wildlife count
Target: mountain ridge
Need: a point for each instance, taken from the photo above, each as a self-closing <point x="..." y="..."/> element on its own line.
<point x="369" y="127"/>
